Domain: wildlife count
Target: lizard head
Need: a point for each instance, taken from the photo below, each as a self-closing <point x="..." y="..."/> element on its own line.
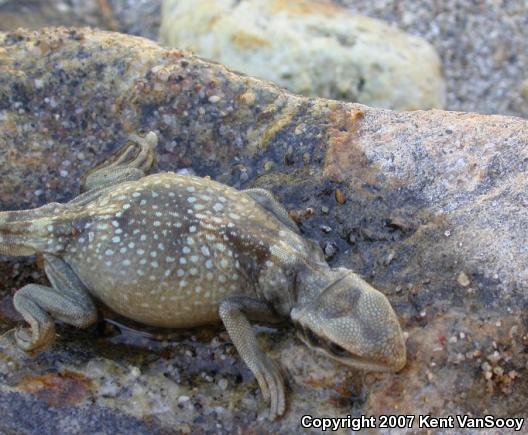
<point x="353" y="323"/>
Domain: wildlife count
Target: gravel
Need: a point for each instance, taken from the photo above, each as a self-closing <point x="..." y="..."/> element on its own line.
<point x="483" y="46"/>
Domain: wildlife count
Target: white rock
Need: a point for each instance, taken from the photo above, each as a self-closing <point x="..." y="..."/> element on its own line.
<point x="310" y="47"/>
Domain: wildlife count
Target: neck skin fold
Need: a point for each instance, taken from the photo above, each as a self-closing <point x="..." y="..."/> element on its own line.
<point x="311" y="280"/>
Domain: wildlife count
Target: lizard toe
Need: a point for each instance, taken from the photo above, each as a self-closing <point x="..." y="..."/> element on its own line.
<point x="23" y="338"/>
<point x="28" y="341"/>
<point x="271" y="385"/>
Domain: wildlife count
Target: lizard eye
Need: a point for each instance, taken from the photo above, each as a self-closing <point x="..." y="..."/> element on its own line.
<point x="312" y="338"/>
<point x="337" y="350"/>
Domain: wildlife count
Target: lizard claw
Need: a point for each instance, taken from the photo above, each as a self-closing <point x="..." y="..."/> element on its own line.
<point x="271" y="385"/>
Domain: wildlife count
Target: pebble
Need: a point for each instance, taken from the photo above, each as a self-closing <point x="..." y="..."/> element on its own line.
<point x="524" y="89"/>
<point x="309" y="212"/>
<point x="340" y="196"/>
<point x="248" y="98"/>
<point x="459" y="357"/>
<point x="222" y="383"/>
<point x="498" y="370"/>
<point x="268" y="166"/>
<point x="325" y="228"/>
<point x="390" y="257"/>
<point x="486" y="366"/>
<point x="183" y="399"/>
<point x="330" y="250"/>
<point x="244" y="175"/>
<point x="186" y="171"/>
<point x="135" y="372"/>
<point x="214" y="99"/>
<point x="494" y="357"/>
<point x="295" y="216"/>
<point x="325" y="210"/>
<point x="463" y="279"/>
<point x="184" y="428"/>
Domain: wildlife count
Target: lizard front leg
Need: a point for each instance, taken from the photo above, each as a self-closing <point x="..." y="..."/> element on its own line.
<point x="234" y="313"/>
<point x="267" y="201"/>
<point x="67" y="299"/>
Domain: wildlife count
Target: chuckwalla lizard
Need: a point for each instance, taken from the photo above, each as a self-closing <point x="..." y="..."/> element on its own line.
<point x="179" y="251"/>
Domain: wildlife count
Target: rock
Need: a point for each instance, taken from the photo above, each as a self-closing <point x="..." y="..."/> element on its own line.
<point x="492" y="37"/>
<point x="311" y="47"/>
<point x="439" y="192"/>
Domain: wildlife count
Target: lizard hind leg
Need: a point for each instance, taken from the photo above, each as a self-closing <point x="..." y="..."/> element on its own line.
<point x="130" y="162"/>
<point x="67" y="300"/>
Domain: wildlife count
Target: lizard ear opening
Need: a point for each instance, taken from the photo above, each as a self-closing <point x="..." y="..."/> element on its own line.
<point x="340" y="298"/>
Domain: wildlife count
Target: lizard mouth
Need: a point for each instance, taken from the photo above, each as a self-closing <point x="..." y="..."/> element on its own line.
<point x="337" y="352"/>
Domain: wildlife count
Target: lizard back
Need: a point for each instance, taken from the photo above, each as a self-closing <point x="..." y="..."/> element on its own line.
<point x="166" y="249"/>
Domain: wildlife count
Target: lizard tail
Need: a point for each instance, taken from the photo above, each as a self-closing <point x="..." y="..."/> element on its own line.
<point x="27" y="232"/>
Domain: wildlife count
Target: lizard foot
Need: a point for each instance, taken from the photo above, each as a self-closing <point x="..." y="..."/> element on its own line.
<point x="271" y="385"/>
<point x="28" y="341"/>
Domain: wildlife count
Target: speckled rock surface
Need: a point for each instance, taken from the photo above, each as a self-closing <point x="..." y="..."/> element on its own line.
<point x="430" y="207"/>
<point x="483" y="45"/>
<point x="311" y="47"/>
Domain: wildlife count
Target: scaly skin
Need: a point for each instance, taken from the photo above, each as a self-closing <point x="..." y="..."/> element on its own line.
<point x="180" y="251"/>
